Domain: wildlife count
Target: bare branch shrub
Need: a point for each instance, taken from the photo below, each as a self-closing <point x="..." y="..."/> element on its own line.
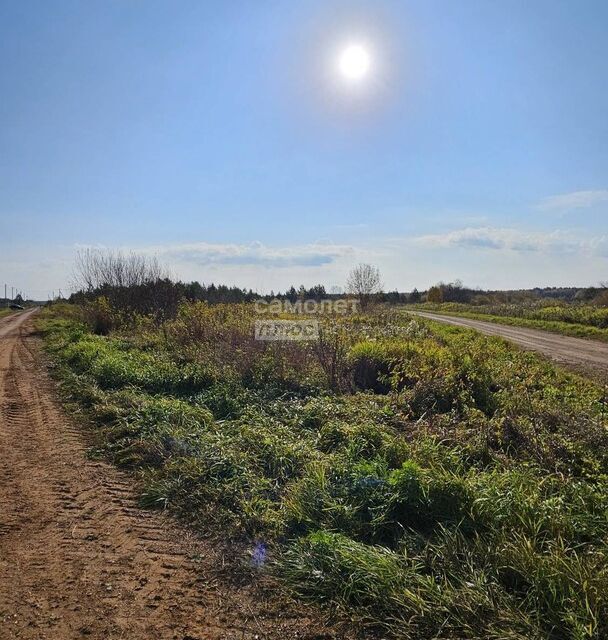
<point x="98" y="269"/>
<point x="331" y="349"/>
<point x="131" y="283"/>
<point x="364" y="282"/>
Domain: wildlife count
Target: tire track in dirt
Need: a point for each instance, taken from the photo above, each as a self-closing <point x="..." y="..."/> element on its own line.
<point x="79" y="559"/>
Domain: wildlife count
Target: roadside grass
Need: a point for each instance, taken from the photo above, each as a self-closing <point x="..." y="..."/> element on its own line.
<point x="425" y="480"/>
<point x="579" y="325"/>
<point x="5" y="312"/>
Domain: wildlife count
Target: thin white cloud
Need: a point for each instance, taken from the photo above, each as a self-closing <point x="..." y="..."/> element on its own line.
<point x="599" y="246"/>
<point x="490" y="238"/>
<point x="574" y="200"/>
<point x="252" y="254"/>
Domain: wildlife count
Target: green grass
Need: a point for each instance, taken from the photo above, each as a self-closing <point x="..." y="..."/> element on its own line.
<point x="570" y="328"/>
<point x="5" y="312"/>
<point x="448" y="486"/>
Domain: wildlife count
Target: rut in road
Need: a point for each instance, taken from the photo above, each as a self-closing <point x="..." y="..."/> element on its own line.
<point x="78" y="558"/>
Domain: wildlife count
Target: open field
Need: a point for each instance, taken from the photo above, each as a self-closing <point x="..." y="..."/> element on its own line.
<point x="423" y="480"/>
<point x="577" y="321"/>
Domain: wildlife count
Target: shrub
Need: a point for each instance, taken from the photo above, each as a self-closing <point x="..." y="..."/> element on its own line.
<point x="100" y="316"/>
<point x="331" y="350"/>
<point x="373" y="362"/>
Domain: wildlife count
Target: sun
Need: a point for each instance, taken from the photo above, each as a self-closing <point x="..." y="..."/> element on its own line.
<point x="354" y="62"/>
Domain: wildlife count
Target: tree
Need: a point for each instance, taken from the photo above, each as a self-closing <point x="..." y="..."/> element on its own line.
<point x="364" y="282"/>
<point x="434" y="294"/>
<point x="415" y="296"/>
<point x="455" y="292"/>
<point x="317" y="292"/>
<point x="392" y="297"/>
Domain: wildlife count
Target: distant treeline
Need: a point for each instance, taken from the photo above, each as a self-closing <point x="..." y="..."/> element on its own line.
<point x="139" y="284"/>
<point x="456" y="292"/>
<point x="164" y="295"/>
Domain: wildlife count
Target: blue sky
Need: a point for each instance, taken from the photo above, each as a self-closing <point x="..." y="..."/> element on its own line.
<point x="220" y="137"/>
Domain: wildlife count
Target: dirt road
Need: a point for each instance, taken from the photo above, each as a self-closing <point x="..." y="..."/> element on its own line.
<point x="584" y="355"/>
<point x="78" y="559"/>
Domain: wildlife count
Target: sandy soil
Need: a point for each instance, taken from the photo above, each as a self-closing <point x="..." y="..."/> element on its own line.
<point x="577" y="353"/>
<point x="79" y="559"/>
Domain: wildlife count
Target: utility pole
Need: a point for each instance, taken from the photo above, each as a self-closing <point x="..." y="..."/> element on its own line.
<point x="12" y="293"/>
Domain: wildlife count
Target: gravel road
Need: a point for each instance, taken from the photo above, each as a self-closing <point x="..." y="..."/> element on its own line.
<point x="582" y="355"/>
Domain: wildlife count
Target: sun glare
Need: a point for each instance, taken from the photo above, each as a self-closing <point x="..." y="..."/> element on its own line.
<point x="354" y="62"/>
